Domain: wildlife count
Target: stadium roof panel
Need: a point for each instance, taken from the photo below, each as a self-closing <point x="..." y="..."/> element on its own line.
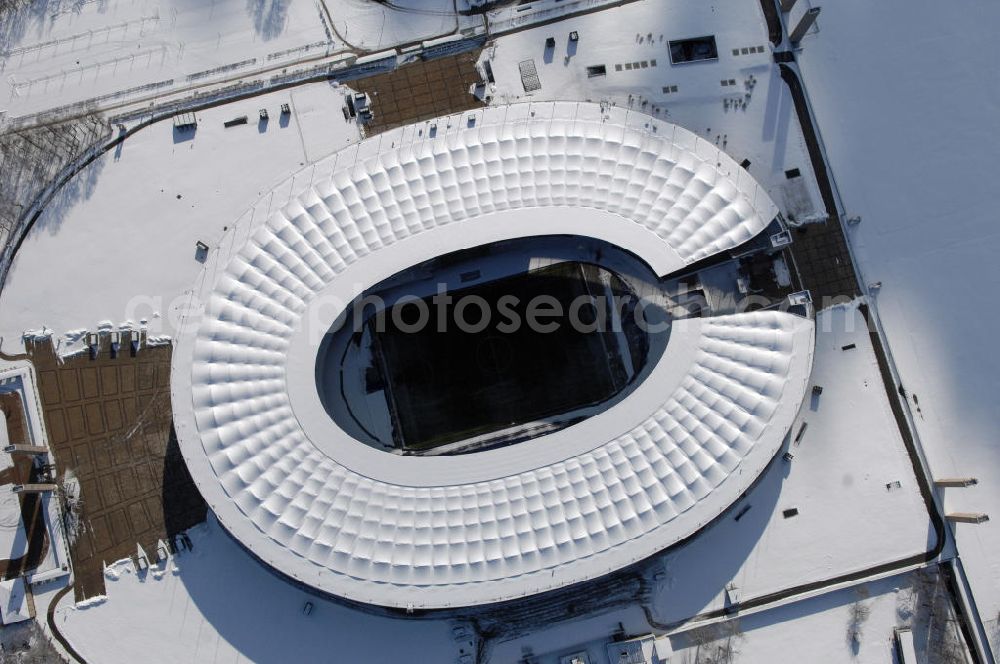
<point x="427" y="532"/>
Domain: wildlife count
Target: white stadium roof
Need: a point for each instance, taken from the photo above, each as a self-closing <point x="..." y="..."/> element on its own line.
<point x="446" y="531"/>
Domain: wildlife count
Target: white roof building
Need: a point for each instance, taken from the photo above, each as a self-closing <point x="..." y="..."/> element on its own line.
<point x="446" y="531"/>
<point x="14" y="605"/>
<point x="13" y="540"/>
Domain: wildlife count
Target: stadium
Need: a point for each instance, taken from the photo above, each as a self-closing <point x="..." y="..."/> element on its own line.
<point x="421" y="471"/>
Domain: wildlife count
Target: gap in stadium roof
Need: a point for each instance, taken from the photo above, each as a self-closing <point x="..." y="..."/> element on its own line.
<point x="504" y="342"/>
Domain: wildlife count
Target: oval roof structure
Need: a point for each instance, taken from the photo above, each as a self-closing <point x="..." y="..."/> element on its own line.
<point x="448" y="531"/>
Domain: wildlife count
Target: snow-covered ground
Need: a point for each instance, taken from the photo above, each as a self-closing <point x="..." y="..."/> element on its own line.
<point x="373" y="26"/>
<point x="906" y="100"/>
<point x="61" y="52"/>
<point x="819" y="629"/>
<point x="512" y="16"/>
<point x="125" y="236"/>
<point x="762" y="127"/>
<point x="816" y="630"/>
<point x="217" y="604"/>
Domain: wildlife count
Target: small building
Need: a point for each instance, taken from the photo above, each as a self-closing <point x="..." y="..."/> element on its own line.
<point x="15" y="602"/>
<point x="185" y="121"/>
<point x="906" y="651"/>
<point x="640" y="650"/>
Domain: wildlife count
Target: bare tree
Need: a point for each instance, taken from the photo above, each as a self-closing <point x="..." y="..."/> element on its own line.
<point x="717" y="643"/>
<point x="72" y="506"/>
<point x="934" y="617"/>
<point x="17" y="15"/>
<point x="26" y="643"/>
<point x="31" y="158"/>
<point x="857" y="616"/>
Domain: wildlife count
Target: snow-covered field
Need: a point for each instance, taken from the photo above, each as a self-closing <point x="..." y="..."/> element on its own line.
<point x="513" y="16"/>
<point x="821" y="629"/>
<point x="906" y="100"/>
<point x="217" y="604"/>
<point x="373" y="26"/>
<point x="125" y="237"/>
<point x="61" y="52"/>
<point x="854" y="624"/>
